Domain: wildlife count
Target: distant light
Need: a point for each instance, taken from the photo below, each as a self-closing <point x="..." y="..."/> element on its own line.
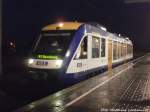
<point x="30" y="61"/>
<point x="11" y="43"/>
<point x="119" y="35"/>
<point x="103" y="28"/>
<point x="60" y="24"/>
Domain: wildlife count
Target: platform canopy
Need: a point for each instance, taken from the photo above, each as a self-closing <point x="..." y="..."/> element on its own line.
<point x="137" y="1"/>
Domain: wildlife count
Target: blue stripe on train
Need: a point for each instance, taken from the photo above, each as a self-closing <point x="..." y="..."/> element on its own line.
<point x="71" y="78"/>
<point x="77" y="77"/>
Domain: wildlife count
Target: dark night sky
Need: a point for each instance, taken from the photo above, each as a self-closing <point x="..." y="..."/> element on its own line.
<point x="23" y="19"/>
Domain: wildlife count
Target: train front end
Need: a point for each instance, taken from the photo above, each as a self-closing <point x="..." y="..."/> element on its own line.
<point x="48" y="56"/>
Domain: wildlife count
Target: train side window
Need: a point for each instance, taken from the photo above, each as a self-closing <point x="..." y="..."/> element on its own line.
<point x="122" y="49"/>
<point x="95" y="47"/>
<point x="103" y="47"/>
<point x="82" y="50"/>
<point x="130" y="49"/>
<point x="114" y="50"/>
<point x="119" y="50"/>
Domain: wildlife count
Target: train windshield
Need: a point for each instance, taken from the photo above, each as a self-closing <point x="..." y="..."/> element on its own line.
<point x="53" y="43"/>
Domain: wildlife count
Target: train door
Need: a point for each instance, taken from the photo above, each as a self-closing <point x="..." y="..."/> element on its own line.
<point x="94" y="52"/>
<point x="109" y="54"/>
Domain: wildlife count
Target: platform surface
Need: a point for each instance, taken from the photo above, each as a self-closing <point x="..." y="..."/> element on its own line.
<point x="125" y="88"/>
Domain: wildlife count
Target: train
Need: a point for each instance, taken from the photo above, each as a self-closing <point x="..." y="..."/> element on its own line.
<point x="72" y="51"/>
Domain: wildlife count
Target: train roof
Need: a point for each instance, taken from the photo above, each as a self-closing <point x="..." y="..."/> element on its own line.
<point x="63" y="26"/>
<point x="95" y="28"/>
<point x="101" y="30"/>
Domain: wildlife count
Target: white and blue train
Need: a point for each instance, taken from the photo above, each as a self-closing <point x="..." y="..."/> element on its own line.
<point x="71" y="51"/>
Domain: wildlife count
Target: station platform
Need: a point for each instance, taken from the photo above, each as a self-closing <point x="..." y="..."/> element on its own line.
<point x="125" y="88"/>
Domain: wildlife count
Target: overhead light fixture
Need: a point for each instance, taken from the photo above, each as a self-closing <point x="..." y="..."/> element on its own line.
<point x="103" y="28"/>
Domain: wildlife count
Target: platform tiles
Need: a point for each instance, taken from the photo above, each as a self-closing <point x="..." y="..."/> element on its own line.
<point x="125" y="88"/>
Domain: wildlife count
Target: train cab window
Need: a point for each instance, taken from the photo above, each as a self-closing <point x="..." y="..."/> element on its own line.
<point x="82" y="50"/>
<point x="53" y="42"/>
<point x="95" y="47"/>
<point x="103" y="47"/>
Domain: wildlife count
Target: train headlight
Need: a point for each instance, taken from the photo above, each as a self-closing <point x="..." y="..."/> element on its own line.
<point x="59" y="63"/>
<point x="61" y="24"/>
<point x="30" y="61"/>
